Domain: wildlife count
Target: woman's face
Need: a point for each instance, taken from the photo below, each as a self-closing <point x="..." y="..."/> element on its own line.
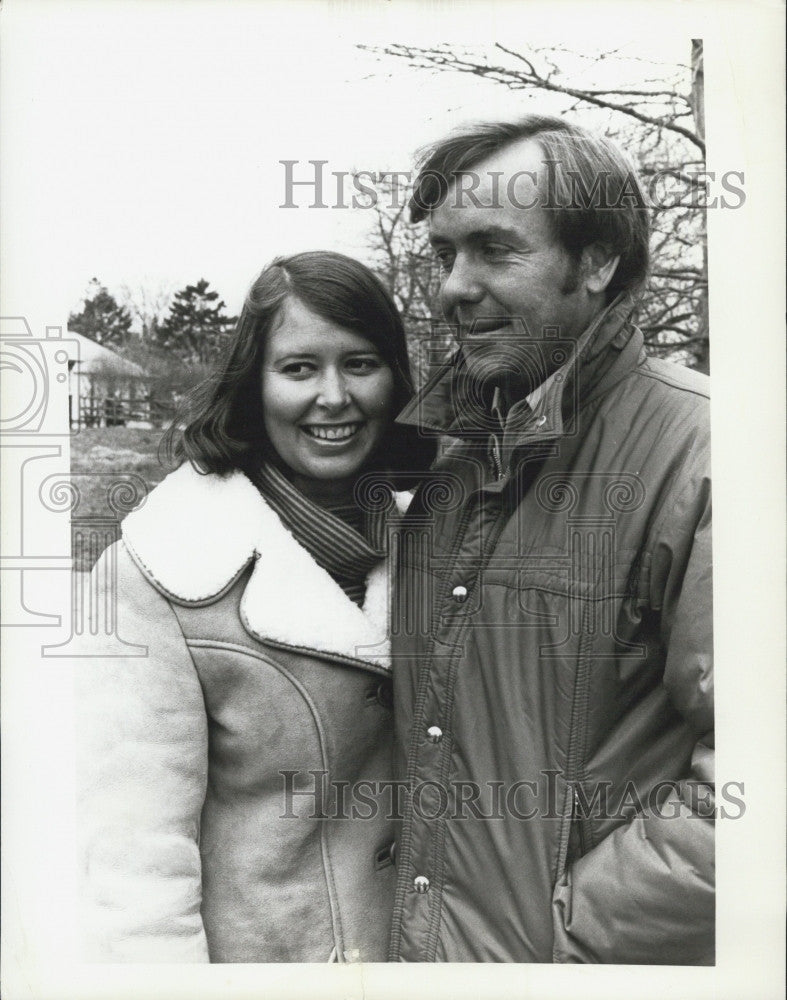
<point x="327" y="397"/>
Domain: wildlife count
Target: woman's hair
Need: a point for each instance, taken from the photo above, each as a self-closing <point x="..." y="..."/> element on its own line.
<point x="225" y="429"/>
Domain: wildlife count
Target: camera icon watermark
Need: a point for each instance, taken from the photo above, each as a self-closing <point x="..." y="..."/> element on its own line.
<point x="34" y="430"/>
<point x="47" y="528"/>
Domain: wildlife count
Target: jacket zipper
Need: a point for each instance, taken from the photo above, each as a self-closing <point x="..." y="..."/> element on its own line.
<point x="404" y="840"/>
<point x="497" y="468"/>
<point x="488" y="548"/>
<point x="492" y="539"/>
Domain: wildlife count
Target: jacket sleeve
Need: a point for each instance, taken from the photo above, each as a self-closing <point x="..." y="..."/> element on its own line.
<point x="141" y="781"/>
<point x="645" y="894"/>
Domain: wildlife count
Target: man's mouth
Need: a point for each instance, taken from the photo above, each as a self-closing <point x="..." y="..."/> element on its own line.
<point x="479" y="327"/>
<point x="332" y="432"/>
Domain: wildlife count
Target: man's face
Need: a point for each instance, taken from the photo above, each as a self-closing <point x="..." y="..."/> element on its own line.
<point x="506" y="278"/>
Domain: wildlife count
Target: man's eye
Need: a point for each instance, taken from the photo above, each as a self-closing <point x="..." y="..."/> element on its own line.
<point x="365" y="365"/>
<point x="493" y="251"/>
<point x="445" y="259"/>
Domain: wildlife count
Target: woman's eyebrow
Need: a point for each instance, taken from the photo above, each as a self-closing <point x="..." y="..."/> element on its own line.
<point x="313" y="354"/>
<point x="293" y="354"/>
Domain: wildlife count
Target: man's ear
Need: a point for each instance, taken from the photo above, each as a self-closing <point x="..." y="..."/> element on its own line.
<point x="598" y="267"/>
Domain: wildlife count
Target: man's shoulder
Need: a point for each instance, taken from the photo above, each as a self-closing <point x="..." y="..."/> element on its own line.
<point x="676" y="378"/>
<point x="665" y="407"/>
<point x="675" y="397"/>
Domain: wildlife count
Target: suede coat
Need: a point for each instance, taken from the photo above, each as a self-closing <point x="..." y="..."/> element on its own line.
<point x="208" y="819"/>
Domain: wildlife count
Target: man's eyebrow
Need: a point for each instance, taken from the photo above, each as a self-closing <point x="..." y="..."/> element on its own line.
<point x="491" y="231"/>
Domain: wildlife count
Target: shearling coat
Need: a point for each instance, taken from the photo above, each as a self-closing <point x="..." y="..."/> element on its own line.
<point x="258" y="680"/>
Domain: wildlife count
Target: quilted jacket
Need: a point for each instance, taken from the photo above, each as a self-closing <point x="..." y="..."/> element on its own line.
<point x="553" y="679"/>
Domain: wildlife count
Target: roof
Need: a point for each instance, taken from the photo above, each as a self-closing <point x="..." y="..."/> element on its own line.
<point x="95" y="359"/>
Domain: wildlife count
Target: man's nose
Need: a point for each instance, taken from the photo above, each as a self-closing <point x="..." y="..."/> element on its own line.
<point x="333" y="392"/>
<point x="460" y="285"/>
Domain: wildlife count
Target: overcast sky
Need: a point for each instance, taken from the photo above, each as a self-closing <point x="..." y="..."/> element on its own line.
<point x="142" y="140"/>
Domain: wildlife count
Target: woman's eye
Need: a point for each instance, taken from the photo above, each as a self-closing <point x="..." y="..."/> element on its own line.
<point x="297" y="369"/>
<point x="364" y="365"/>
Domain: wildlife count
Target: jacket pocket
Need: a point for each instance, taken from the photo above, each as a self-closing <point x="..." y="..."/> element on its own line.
<point x="574" y="838"/>
<point x="577" y="837"/>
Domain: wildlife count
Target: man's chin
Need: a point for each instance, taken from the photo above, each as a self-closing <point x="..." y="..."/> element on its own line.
<point x="480" y="353"/>
<point x="487" y="361"/>
<point x="520" y="368"/>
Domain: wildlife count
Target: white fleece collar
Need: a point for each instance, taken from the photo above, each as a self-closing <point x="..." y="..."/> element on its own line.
<point x="195" y="534"/>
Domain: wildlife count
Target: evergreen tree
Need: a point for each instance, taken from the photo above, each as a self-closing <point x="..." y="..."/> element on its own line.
<point x="101" y="319"/>
<point x="197" y="327"/>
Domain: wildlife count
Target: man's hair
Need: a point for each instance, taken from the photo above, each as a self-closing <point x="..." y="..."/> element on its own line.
<point x="594" y="194"/>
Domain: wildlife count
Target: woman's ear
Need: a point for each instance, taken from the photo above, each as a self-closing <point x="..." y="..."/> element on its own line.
<point x="598" y="267"/>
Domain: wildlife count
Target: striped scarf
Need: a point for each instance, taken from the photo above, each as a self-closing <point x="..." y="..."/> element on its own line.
<point x="342" y="538"/>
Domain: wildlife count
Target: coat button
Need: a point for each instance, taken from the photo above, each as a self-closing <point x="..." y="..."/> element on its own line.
<point x="421" y="883"/>
<point x="434" y="734"/>
<point x="460" y="593"/>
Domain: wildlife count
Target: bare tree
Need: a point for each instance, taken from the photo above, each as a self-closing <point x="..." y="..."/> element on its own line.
<point x="658" y="117"/>
<point x="402" y="257"/>
<point x="148" y="303"/>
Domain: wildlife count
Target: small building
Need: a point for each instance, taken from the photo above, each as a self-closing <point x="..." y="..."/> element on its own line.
<point x="105" y="389"/>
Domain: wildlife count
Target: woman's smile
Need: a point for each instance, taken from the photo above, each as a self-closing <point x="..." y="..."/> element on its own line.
<point x="332" y="434"/>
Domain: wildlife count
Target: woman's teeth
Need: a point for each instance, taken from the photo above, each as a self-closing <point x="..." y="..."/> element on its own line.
<point x="335" y="432"/>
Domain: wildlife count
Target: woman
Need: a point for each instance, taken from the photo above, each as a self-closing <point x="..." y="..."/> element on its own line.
<point x="254" y="582"/>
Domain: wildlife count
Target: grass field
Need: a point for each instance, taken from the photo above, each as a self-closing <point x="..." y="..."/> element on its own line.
<point x="100" y="458"/>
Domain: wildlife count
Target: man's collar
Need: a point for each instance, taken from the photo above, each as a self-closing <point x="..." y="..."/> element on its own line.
<point x="532" y="402"/>
<point x="449" y="403"/>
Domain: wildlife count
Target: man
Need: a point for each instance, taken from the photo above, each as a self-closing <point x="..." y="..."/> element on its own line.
<point x="553" y="688"/>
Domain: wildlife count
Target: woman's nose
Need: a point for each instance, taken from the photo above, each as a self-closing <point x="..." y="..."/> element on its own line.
<point x="333" y="392"/>
<point x="460" y="286"/>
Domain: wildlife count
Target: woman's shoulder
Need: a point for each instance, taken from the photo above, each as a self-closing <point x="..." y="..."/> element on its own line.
<point x="194" y="533"/>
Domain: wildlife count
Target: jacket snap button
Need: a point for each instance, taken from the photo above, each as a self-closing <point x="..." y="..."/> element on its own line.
<point x="434" y="734"/>
<point x="385" y="694"/>
<point x="421" y="883"/>
<point x="460" y="593"/>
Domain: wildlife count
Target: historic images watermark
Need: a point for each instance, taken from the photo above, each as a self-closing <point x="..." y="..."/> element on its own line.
<point x="313" y="795"/>
<point x="309" y="184"/>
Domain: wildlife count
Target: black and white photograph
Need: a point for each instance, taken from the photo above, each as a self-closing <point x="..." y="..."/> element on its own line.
<point x="371" y="371"/>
